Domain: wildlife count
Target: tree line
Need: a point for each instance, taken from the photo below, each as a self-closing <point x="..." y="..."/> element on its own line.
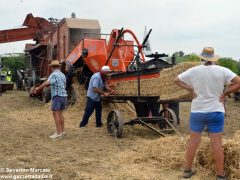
<point x="230" y="63"/>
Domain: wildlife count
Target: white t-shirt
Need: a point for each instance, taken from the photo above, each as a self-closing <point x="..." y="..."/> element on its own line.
<point x="208" y="83"/>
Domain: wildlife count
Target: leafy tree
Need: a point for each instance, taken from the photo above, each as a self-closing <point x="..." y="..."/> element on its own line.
<point x="13" y="63"/>
<point x="188" y="58"/>
<point x="179" y="53"/>
<point x="230" y="64"/>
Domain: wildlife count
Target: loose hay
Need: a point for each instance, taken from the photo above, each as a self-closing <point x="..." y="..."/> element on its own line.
<point x="163" y="86"/>
<point x="169" y="153"/>
<point x="79" y="94"/>
<point x="231" y="153"/>
<point x="81" y="98"/>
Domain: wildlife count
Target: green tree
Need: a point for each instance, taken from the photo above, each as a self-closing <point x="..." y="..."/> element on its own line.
<point x="179" y="53"/>
<point x="188" y="58"/>
<point x="231" y="64"/>
<point x="13" y="63"/>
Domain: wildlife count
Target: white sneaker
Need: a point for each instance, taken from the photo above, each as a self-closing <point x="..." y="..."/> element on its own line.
<point x="54" y="136"/>
<point x="63" y="133"/>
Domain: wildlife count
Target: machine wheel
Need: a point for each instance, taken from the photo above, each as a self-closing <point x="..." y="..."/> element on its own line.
<point x="170" y="115"/>
<point x="115" y="124"/>
<point x="46" y="95"/>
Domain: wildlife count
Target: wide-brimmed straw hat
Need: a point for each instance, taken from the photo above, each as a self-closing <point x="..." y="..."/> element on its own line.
<point x="54" y="63"/>
<point x="208" y="54"/>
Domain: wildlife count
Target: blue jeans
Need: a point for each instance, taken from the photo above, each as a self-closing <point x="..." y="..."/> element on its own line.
<point x="91" y="105"/>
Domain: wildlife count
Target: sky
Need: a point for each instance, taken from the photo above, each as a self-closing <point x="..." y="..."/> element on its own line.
<point x="186" y="25"/>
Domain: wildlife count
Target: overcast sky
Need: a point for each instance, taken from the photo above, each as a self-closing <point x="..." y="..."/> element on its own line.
<point x="185" y="25"/>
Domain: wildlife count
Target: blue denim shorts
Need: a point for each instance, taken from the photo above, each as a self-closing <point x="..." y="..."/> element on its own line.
<point x="214" y="121"/>
<point x="59" y="103"/>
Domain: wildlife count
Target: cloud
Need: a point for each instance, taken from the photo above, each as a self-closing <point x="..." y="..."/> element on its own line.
<point x="186" y="25"/>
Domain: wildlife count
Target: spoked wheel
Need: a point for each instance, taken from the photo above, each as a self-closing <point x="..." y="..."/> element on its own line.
<point x="169" y="115"/>
<point x="115" y="124"/>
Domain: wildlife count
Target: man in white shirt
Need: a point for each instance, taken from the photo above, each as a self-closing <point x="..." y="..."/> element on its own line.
<point x="207" y="82"/>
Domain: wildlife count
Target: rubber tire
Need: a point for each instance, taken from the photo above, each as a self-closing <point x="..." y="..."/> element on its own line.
<point x="46" y="95"/>
<point x="117" y="124"/>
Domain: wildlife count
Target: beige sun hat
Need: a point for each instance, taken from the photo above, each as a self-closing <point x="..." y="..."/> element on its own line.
<point x="54" y="63"/>
<point x="208" y="54"/>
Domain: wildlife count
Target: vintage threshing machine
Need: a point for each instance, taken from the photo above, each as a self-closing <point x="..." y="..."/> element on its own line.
<point x="79" y="43"/>
<point x="127" y="62"/>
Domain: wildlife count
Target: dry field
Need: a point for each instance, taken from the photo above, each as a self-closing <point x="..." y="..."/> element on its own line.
<point x="90" y="153"/>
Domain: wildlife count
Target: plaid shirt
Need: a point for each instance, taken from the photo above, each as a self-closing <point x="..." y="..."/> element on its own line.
<point x="57" y="83"/>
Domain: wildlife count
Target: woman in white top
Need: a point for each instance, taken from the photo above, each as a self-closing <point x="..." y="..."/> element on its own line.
<point x="207" y="82"/>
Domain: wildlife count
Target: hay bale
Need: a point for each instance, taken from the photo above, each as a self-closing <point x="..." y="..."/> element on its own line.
<point x="163" y="86"/>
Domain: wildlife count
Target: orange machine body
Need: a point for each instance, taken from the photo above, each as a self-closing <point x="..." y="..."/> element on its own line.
<point x="94" y="53"/>
<point x="99" y="50"/>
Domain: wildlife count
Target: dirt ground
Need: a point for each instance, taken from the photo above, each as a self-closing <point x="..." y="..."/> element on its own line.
<point x="88" y="153"/>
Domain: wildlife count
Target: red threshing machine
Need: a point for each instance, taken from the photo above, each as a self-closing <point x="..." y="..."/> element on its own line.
<point x="79" y="43"/>
<point x="127" y="62"/>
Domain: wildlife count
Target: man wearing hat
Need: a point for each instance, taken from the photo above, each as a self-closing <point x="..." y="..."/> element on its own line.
<point x="57" y="82"/>
<point x="207" y="82"/>
<point x="97" y="88"/>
